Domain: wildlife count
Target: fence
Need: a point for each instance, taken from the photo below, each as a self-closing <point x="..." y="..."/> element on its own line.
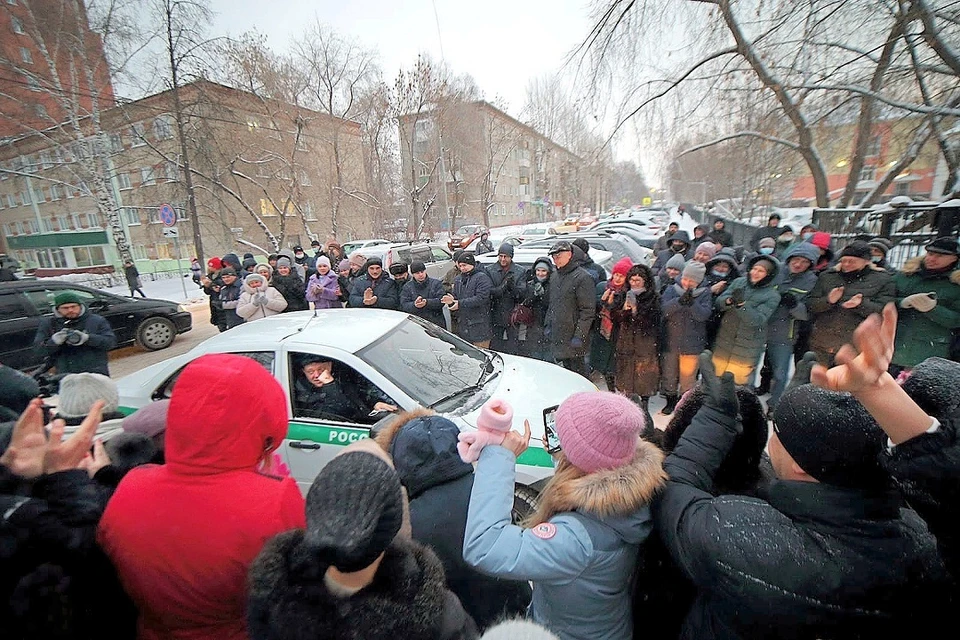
<point x="742" y="232"/>
<point x="908" y="228"/>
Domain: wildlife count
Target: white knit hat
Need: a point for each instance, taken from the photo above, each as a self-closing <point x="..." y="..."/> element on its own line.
<point x="78" y="392"/>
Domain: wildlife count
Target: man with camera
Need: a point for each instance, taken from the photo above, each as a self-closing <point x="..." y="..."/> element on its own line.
<point x="74" y="338"/>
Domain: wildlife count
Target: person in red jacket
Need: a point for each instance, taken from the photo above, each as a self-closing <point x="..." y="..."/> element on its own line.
<point x="182" y="535"/>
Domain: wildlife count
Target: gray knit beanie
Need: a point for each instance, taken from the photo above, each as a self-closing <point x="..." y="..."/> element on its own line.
<point x="78" y="392"/>
<point x="676" y="262"/>
<point x="694" y="270"/>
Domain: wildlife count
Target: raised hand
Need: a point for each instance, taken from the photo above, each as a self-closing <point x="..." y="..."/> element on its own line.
<point x="515" y="442"/>
<point x="65" y="455"/>
<point x="835" y="294"/>
<point x="720" y="393"/>
<point x="862" y="364"/>
<point x="28" y="444"/>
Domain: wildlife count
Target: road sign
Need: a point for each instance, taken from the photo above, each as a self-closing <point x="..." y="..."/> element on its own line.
<point x="171" y="232"/>
<point x="647" y="201"/>
<point x="168" y="216"/>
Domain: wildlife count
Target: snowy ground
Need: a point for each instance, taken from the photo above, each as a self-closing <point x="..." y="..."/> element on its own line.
<point x="180" y="290"/>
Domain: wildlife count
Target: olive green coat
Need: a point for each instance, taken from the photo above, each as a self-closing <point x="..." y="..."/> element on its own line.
<point x="925" y="335"/>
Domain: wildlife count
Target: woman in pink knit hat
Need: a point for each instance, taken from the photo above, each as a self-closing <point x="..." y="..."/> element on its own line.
<point x="580" y="547"/>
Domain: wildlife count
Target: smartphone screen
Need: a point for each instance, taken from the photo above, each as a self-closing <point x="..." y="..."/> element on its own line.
<point x="549" y="422"/>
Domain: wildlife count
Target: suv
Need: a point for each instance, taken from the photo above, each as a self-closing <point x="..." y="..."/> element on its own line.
<point x="437" y="259"/>
<point x="151" y="323"/>
<point x="361" y="245"/>
<point x="465" y="235"/>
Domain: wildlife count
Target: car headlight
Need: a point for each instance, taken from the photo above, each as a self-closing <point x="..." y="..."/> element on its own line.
<point x="180" y="308"/>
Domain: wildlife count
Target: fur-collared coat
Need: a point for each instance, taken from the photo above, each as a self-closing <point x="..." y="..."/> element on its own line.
<point x="926" y="335"/>
<point x="407" y="599"/>
<point x="581" y="558"/>
<point x="833" y="325"/>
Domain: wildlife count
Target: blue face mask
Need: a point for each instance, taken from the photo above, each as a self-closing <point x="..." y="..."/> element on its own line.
<point x="719" y="274"/>
<point x="876" y="259"/>
<point x="766" y="250"/>
<point x="807" y="235"/>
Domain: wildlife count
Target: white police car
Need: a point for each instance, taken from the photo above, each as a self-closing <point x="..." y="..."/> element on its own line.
<point x="397" y="357"/>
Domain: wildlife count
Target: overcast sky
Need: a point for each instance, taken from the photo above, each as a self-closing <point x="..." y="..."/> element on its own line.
<point x="501" y="43"/>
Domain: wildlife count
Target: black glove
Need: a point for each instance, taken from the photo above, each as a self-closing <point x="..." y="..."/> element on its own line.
<point x="788" y="300"/>
<point x="687" y="298"/>
<point x="802" y="374"/>
<point x="738" y="297"/>
<point x="719" y="393"/>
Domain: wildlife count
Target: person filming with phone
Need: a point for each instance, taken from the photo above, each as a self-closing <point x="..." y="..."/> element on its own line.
<point x="319" y="394"/>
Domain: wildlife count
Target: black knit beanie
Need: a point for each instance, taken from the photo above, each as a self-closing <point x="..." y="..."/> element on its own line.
<point x="425" y="454"/>
<point x="831" y="436"/>
<point x="354" y="511"/>
<point x="933" y="385"/>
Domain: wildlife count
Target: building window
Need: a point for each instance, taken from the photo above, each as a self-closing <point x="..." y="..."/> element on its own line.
<point x="139" y="252"/>
<point x="93" y="219"/>
<point x="171" y="171"/>
<point x="901" y="189"/>
<point x="77" y="221"/>
<point x="252" y="124"/>
<point x="308" y="213"/>
<point x="56" y="192"/>
<point x="48" y="225"/>
<point x="131" y="216"/>
<point x="18" y="227"/>
<point x="153" y="215"/>
<point x="136" y="134"/>
<point x="163" y="250"/>
<point x="25" y="56"/>
<point x="17" y="25"/>
<point x="38" y="196"/>
<point x="116" y="143"/>
<point x="873" y="148"/>
<point x="123" y="180"/>
<point x="181" y="213"/>
<point x="46" y="160"/>
<point x="33" y="83"/>
<point x="25" y="197"/>
<point x="32" y="226"/>
<point x="305" y="179"/>
<point x="12" y="200"/>
<point x="148" y="175"/>
<point x="64" y="222"/>
<point x="162" y="128"/>
<point x="88" y="256"/>
<point x="867" y="173"/>
<point x="6" y="230"/>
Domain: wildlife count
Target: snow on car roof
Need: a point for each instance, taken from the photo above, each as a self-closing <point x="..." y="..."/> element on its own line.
<point x="346" y="329"/>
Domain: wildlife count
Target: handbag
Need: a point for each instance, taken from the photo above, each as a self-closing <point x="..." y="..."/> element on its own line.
<point x="522" y="315"/>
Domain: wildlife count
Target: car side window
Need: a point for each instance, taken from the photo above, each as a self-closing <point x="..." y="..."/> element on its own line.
<point x="11" y="306"/>
<point x="421" y="254"/>
<point x="324" y="388"/>
<point x="440" y="255"/>
<point x="42" y="299"/>
<point x="404" y="255"/>
<point x="265" y="358"/>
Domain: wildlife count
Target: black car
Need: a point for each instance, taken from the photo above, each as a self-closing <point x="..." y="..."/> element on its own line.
<point x="153" y="324"/>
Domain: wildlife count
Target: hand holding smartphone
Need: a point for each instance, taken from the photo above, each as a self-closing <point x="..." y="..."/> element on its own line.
<point x="551" y="438"/>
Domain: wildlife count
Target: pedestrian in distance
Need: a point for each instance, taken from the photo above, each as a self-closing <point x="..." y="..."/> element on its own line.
<point x="685" y="307"/>
<point x="259" y="299"/>
<point x="375" y="289"/>
<point x="229" y="297"/>
<point x="421" y="296"/>
<point x="196" y="271"/>
<point x="638" y="339"/>
<point x="470" y="302"/>
<point x="611" y="295"/>
<point x="506" y="280"/>
<point x="571" y="310"/>
<point x="323" y="288"/>
<point x="133" y="278"/>
<point x="290" y="284"/>
<point x="534" y="342"/>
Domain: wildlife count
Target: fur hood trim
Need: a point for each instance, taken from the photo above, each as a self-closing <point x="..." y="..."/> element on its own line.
<point x="616" y="492"/>
<point x="385" y="436"/>
<point x="287" y="591"/>
<point x="913" y="266"/>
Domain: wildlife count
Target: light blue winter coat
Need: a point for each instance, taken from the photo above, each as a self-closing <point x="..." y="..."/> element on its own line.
<point x="581" y="561"/>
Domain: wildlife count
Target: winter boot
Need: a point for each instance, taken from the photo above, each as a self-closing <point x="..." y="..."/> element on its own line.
<point x="671" y="404"/>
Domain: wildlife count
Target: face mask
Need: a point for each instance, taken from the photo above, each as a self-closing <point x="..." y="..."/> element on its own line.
<point x="766" y="250"/>
<point x="299" y="255"/>
<point x="541" y="278"/>
<point x="719" y="274"/>
<point x="638" y="291"/>
<point x="807" y="235"/>
<point x="786" y="238"/>
<point x="876" y="259"/>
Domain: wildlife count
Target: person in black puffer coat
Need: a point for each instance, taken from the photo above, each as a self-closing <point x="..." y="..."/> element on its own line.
<point x="55" y="583"/>
<point x="534" y="342"/>
<point x="349" y="575"/>
<point x="438" y="483"/>
<point x="813" y="559"/>
<point x="586" y="262"/>
<point x="287" y="281"/>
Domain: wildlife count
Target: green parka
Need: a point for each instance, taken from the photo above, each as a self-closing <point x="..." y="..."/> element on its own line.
<point x="743" y="330"/>
<point x="925" y="335"/>
<point x="834" y="325"/>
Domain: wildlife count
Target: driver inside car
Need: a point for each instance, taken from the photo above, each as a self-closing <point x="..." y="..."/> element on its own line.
<point x="320" y="395"/>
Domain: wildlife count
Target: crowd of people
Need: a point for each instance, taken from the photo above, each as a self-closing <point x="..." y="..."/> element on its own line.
<point x="182" y="520"/>
<point x="186" y="523"/>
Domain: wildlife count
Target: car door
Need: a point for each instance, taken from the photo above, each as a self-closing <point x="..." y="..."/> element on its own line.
<point x="315" y="438"/>
<point x="18" y="326"/>
<point x="440" y="263"/>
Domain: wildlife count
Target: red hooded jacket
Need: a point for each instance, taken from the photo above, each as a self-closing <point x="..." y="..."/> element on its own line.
<point x="183" y="535"/>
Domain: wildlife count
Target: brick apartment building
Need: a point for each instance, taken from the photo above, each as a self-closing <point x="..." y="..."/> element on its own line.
<point x="262" y="170"/>
<point x="492" y="161"/>
<point x="46" y="46"/>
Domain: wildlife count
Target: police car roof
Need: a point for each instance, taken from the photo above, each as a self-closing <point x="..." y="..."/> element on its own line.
<point x="346" y="329"/>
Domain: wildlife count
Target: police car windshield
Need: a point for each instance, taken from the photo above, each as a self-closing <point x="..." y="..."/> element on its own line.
<point x="424" y="361"/>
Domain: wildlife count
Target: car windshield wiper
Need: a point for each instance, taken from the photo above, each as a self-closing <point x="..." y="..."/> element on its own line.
<point x="451" y="396"/>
